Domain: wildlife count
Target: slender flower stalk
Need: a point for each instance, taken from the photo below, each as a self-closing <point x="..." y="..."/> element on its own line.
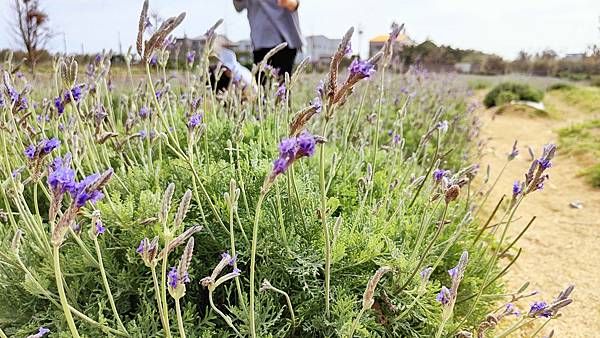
<point x="251" y="318"/>
<point x="266" y="285"/>
<point x="96" y="230"/>
<point x="61" y="293"/>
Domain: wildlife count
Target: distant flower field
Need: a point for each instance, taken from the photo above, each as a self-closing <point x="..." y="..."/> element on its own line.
<point x="322" y="205"/>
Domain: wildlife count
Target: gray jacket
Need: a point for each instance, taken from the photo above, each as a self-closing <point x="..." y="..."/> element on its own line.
<point x="270" y="24"/>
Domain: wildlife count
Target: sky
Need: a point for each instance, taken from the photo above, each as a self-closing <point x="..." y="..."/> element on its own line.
<point x="502" y="27"/>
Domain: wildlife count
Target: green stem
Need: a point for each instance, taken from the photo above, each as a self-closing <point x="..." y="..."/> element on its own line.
<point x="107" y="287"/>
<point x="232" y="208"/>
<point x="224" y="316"/>
<point x="429" y="246"/>
<point x="323" y="212"/>
<point x="163" y="287"/>
<point x="541" y="327"/>
<point x="61" y="293"/>
<point x="253" y="262"/>
<point x="441" y="328"/>
<point x="157" y="295"/>
<point x="355" y="323"/>
<point x="179" y="318"/>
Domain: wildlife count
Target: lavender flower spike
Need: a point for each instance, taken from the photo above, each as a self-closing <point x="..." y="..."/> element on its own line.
<point x="361" y="68"/>
<point x="444" y="296"/>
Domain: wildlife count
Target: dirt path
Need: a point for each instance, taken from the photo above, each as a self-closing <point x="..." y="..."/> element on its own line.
<point x="563" y="244"/>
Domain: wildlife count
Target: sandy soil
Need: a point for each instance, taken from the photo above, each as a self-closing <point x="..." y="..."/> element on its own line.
<point x="563" y="245"/>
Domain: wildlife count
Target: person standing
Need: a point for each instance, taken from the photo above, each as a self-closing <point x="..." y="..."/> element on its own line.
<point x="271" y="23"/>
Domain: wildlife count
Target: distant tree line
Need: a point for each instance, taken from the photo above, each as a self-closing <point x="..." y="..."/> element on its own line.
<point x="545" y="63"/>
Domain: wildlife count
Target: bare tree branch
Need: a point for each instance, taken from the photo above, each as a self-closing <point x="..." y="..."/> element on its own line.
<point x="31" y="29"/>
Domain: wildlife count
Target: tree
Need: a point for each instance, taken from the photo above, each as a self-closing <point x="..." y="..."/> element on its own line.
<point x="31" y="29"/>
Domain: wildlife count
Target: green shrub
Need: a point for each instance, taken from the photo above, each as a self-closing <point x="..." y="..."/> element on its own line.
<point x="387" y="192"/>
<point x="595" y="81"/>
<point x="521" y="91"/>
<point x="559" y="86"/>
<point x="505" y="97"/>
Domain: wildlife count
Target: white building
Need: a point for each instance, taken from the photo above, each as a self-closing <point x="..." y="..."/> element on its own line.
<point x="320" y="48"/>
<point x="244" y="46"/>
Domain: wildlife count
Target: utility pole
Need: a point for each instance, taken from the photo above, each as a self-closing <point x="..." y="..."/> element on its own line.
<point x="65" y="42"/>
<point x="120" y="46"/>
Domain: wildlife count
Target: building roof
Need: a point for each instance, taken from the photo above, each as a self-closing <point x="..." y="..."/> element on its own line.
<point x="383" y="38"/>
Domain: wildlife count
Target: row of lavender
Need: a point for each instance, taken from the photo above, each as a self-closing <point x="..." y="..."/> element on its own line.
<point x="350" y="202"/>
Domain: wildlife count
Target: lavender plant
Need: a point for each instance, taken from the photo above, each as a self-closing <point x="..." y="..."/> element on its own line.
<point x="390" y="191"/>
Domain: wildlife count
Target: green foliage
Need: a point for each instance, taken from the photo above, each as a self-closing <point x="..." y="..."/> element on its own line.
<point x="378" y="210"/>
<point x="498" y="95"/>
<point x="583" y="140"/>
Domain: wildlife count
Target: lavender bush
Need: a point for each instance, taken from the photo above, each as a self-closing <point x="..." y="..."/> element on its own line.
<point x="340" y="207"/>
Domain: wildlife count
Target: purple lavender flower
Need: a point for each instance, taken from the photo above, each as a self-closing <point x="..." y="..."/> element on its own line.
<point x="19" y="100"/>
<point x="98" y="58"/>
<point x="147" y="24"/>
<point x="363" y="69"/>
<point x="194" y="121"/>
<point x="279" y="166"/>
<point x="511" y="309"/>
<point x="17" y="171"/>
<point x="306" y="144"/>
<point x="61" y="178"/>
<point x="100" y="229"/>
<point x="321" y="88"/>
<point x="144" y="112"/>
<point x="444" y="296"/>
<point x="74" y="93"/>
<point x="438" y="174"/>
<point x="516" y="190"/>
<point x="231" y="259"/>
<point x="396" y="139"/>
<point x="539" y="309"/>
<point x="291" y="149"/>
<point x="140" y="249"/>
<point x="82" y="192"/>
<point x="173" y="277"/>
<point x="287" y="148"/>
<point x="544" y="163"/>
<point x="30" y="151"/>
<point x="191" y="56"/>
<point x="281" y="91"/>
<point x="317" y="104"/>
<point x="443" y="126"/>
<point x="543" y="178"/>
<point x="1" y="101"/>
<point x="153" y="60"/>
<point x="49" y="145"/>
<point x="175" y="280"/>
<point x="348" y="49"/>
<point x="453" y="272"/>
